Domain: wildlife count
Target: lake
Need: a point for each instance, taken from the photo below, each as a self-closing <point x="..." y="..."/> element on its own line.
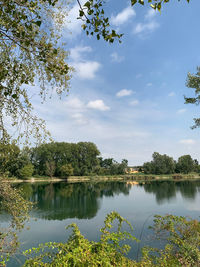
<point x="59" y="204"/>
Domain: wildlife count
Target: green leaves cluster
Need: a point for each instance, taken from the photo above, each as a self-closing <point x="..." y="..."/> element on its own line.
<point x="29" y="54"/>
<point x="183" y="242"/>
<point x="78" y="251"/>
<point x="181" y="237"/>
<point x="11" y="201"/>
<point x="95" y="21"/>
<point x="155" y="4"/>
<point x="193" y="82"/>
<point x="163" y="164"/>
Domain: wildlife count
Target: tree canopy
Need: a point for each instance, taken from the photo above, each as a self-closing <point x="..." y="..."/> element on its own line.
<point x="29" y="55"/>
<point x="193" y="82"/>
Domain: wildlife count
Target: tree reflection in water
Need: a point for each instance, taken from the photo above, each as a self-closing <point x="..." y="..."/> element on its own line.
<point x="167" y="190"/>
<point x="59" y="201"/>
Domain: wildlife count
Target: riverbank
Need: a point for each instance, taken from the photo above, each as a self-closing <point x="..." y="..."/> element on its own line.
<point x="140" y="177"/>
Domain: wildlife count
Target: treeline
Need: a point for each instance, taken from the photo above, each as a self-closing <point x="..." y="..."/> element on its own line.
<point x="163" y="164"/>
<point x="57" y="159"/>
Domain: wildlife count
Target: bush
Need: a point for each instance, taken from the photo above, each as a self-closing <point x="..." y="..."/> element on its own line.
<point x="66" y="170"/>
<point x="26" y="171"/>
<point x="181" y="235"/>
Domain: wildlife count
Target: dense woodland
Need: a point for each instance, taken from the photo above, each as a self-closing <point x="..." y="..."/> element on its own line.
<point x="61" y="159"/>
<point x="57" y="159"/>
<point x="163" y="164"/>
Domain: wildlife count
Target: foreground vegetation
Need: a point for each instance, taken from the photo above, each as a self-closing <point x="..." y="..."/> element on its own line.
<point x="182" y="248"/>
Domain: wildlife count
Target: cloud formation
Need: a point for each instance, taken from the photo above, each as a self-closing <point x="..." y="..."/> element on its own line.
<point x="124" y="92"/>
<point x="85" y="69"/>
<point x="187" y="141"/>
<point x="181" y="111"/>
<point x="123" y="16"/>
<point x="148" y="26"/>
<point x="98" y="104"/>
<point x="116" y="58"/>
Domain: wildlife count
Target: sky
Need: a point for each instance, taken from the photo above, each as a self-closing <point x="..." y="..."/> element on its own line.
<point x="128" y="98"/>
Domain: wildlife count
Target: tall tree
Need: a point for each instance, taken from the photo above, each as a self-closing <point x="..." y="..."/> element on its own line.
<point x="29" y="54"/>
<point x="193" y="82"/>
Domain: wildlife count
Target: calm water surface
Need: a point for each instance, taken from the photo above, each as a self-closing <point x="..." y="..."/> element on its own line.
<point x="87" y="204"/>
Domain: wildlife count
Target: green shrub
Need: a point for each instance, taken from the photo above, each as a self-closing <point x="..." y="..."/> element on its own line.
<point x="66" y="170"/>
<point x="26" y="171"/>
<point x="182" y="249"/>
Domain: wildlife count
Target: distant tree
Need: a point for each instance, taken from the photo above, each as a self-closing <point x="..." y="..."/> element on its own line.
<point x="50" y="168"/>
<point x="185" y="164"/>
<point x="161" y="164"/>
<point x="26" y="171"/>
<point x="66" y="170"/>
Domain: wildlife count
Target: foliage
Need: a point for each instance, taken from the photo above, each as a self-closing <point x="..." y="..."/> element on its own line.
<point x="29" y="54"/>
<point x="66" y="170"/>
<point x="50" y="168"/>
<point x="110" y="166"/>
<point x="161" y="164"/>
<point x="12" y="159"/>
<point x="26" y="171"/>
<point x="78" y="251"/>
<point x="11" y="201"/>
<point x="193" y="81"/>
<point x="183" y="247"/>
<point x="185" y="164"/>
<point x="180" y="235"/>
<point x="95" y="22"/>
<point x="82" y="157"/>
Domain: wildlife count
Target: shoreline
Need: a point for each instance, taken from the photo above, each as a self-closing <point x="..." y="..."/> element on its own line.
<point x="122" y="178"/>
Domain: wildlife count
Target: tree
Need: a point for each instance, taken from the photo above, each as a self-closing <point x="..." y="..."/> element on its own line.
<point x="26" y="171"/>
<point x="50" y="168"/>
<point x="193" y="81"/>
<point x="161" y="164"/>
<point x="66" y="170"/>
<point x="29" y="54"/>
<point x="185" y="164"/>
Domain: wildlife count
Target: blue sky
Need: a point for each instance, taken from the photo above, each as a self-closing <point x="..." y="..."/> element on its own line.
<point x="128" y="98"/>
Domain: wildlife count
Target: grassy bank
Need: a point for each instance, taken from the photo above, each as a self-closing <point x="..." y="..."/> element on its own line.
<point x="95" y="178"/>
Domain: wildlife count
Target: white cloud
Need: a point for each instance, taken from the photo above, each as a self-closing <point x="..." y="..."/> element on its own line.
<point x="87" y="70"/>
<point x="150" y="14"/>
<point x="134" y="102"/>
<point x="98" y="104"/>
<point x="123" y="16"/>
<point x="77" y="51"/>
<point x="79" y="118"/>
<point x="187" y="141"/>
<point x="74" y="103"/>
<point x="145" y="28"/>
<point x="181" y="111"/>
<point x="124" y="92"/>
<point x="171" y="94"/>
<point x="148" y="26"/>
<point x="149" y="84"/>
<point x="116" y="58"/>
<point x="72" y="23"/>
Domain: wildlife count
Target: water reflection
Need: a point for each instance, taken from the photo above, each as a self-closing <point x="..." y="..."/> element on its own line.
<point x="59" y="201"/>
<point x="166" y="191"/>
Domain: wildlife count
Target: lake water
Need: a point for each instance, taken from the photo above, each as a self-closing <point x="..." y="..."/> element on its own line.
<point x="59" y="204"/>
